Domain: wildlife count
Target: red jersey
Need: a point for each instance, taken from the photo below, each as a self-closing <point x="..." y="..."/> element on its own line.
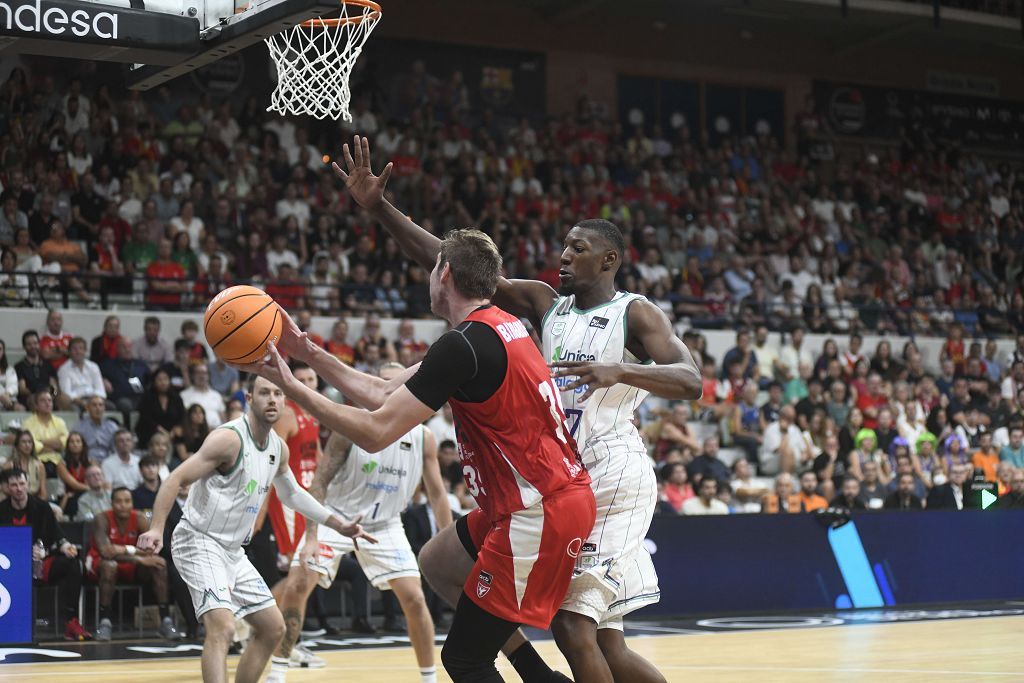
<point x="60" y="341"/>
<point x="164" y="271"/>
<point x="304" y="446"/>
<point x="515" y="447"/>
<point x="125" y="570"/>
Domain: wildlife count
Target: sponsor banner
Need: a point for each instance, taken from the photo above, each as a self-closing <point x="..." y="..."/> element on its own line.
<point x="15" y="584"/>
<point x="740" y="564"/>
<point x="77" y="21"/>
<point x="870" y="111"/>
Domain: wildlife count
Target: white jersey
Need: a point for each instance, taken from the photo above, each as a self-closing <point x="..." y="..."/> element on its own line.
<point x="614" y="574"/>
<point x="378" y="486"/>
<point x="599" y="335"/>
<point x="224" y="506"/>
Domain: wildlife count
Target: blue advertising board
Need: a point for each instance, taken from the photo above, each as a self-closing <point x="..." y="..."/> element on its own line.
<point x="746" y="563"/>
<point x="15" y="584"/>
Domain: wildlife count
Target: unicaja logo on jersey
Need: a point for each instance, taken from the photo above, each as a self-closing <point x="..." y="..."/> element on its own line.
<point x="250" y="488"/>
<point x="369" y="467"/>
<point x="32" y="17"/>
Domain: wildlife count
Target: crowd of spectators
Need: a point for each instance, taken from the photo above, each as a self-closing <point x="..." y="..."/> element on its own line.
<point x="197" y="194"/>
<point x="843" y="427"/>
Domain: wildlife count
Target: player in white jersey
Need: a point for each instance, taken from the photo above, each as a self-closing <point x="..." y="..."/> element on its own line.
<point x="376" y="487"/>
<point x="612" y="349"/>
<point x="231" y="475"/>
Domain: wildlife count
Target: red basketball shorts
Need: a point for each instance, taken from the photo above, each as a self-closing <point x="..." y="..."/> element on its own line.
<point x="524" y="561"/>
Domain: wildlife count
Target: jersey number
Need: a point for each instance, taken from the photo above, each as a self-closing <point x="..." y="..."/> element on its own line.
<point x="376" y="508"/>
<point x="472" y="482"/>
<point x="573" y="415"/>
<point x="549" y="393"/>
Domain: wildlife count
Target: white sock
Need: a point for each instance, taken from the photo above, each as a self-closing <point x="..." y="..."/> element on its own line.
<point x="428" y="675"/>
<point x="279" y="664"/>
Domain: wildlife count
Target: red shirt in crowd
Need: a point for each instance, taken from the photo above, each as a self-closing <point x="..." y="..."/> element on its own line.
<point x="59" y="342"/>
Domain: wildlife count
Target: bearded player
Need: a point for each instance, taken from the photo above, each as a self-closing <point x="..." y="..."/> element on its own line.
<point x="376" y="487"/>
<point x="518" y="459"/>
<point x="609" y="349"/>
<point x="232" y="473"/>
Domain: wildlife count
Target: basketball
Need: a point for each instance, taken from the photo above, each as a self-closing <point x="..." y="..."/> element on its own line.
<point x="240" y="322"/>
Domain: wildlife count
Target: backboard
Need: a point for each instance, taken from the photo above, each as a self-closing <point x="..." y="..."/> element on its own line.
<point x="162" y="39"/>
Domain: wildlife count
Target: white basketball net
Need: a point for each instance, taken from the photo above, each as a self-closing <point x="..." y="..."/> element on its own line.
<point x="314" y="60"/>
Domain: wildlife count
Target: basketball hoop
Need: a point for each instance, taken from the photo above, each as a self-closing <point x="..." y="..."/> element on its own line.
<point x="315" y="59"/>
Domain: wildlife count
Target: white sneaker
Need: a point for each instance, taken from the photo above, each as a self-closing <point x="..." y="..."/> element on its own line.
<point x="275" y="677"/>
<point x="302" y="658"/>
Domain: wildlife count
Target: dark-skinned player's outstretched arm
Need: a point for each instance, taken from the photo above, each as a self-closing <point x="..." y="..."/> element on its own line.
<point x="674" y="373"/>
<point x="528" y="299"/>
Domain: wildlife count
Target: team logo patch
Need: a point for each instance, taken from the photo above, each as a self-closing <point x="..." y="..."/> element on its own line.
<point x="574" y="547"/>
<point x="250" y="488"/>
<point x="590" y="547"/>
<point x="273" y="458"/>
<point x="405" y="445"/>
<point x="483" y="584"/>
<point x="599" y="323"/>
<point x="370" y="466"/>
<point x="557" y="329"/>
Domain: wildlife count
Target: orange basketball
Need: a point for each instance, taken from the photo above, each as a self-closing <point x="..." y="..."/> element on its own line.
<point x="239" y="323"/>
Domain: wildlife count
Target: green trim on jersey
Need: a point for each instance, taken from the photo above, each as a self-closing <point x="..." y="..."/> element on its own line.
<point x="544" y="320"/>
<point x="241" y="452"/>
<point x="595" y="308"/>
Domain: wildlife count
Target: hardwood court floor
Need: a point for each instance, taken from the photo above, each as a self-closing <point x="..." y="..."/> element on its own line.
<point x="969" y="650"/>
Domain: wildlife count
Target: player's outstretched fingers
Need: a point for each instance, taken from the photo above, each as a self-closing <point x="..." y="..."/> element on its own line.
<point x="338" y="171"/>
<point x="347" y="155"/>
<point x="365" y="147"/>
<point x="386" y="174"/>
<point x="567" y="368"/>
<point x="357" y="149"/>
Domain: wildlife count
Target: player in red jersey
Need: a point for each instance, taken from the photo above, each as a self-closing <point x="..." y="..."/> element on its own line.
<point x="112" y="558"/>
<point x="301" y="432"/>
<point x="519" y="461"/>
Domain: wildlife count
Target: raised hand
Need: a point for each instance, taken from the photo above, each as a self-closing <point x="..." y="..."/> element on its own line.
<point x="367" y="189"/>
<point x="592" y="375"/>
<point x="272" y="367"/>
<point x="294" y="343"/>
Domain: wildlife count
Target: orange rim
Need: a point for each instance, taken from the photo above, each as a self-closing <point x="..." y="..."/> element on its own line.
<point x="358" y="19"/>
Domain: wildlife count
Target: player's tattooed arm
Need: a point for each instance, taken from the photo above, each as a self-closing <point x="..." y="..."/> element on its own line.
<point x="335" y="455"/>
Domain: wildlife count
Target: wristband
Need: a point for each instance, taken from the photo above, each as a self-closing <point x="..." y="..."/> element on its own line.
<point x="130" y="549"/>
